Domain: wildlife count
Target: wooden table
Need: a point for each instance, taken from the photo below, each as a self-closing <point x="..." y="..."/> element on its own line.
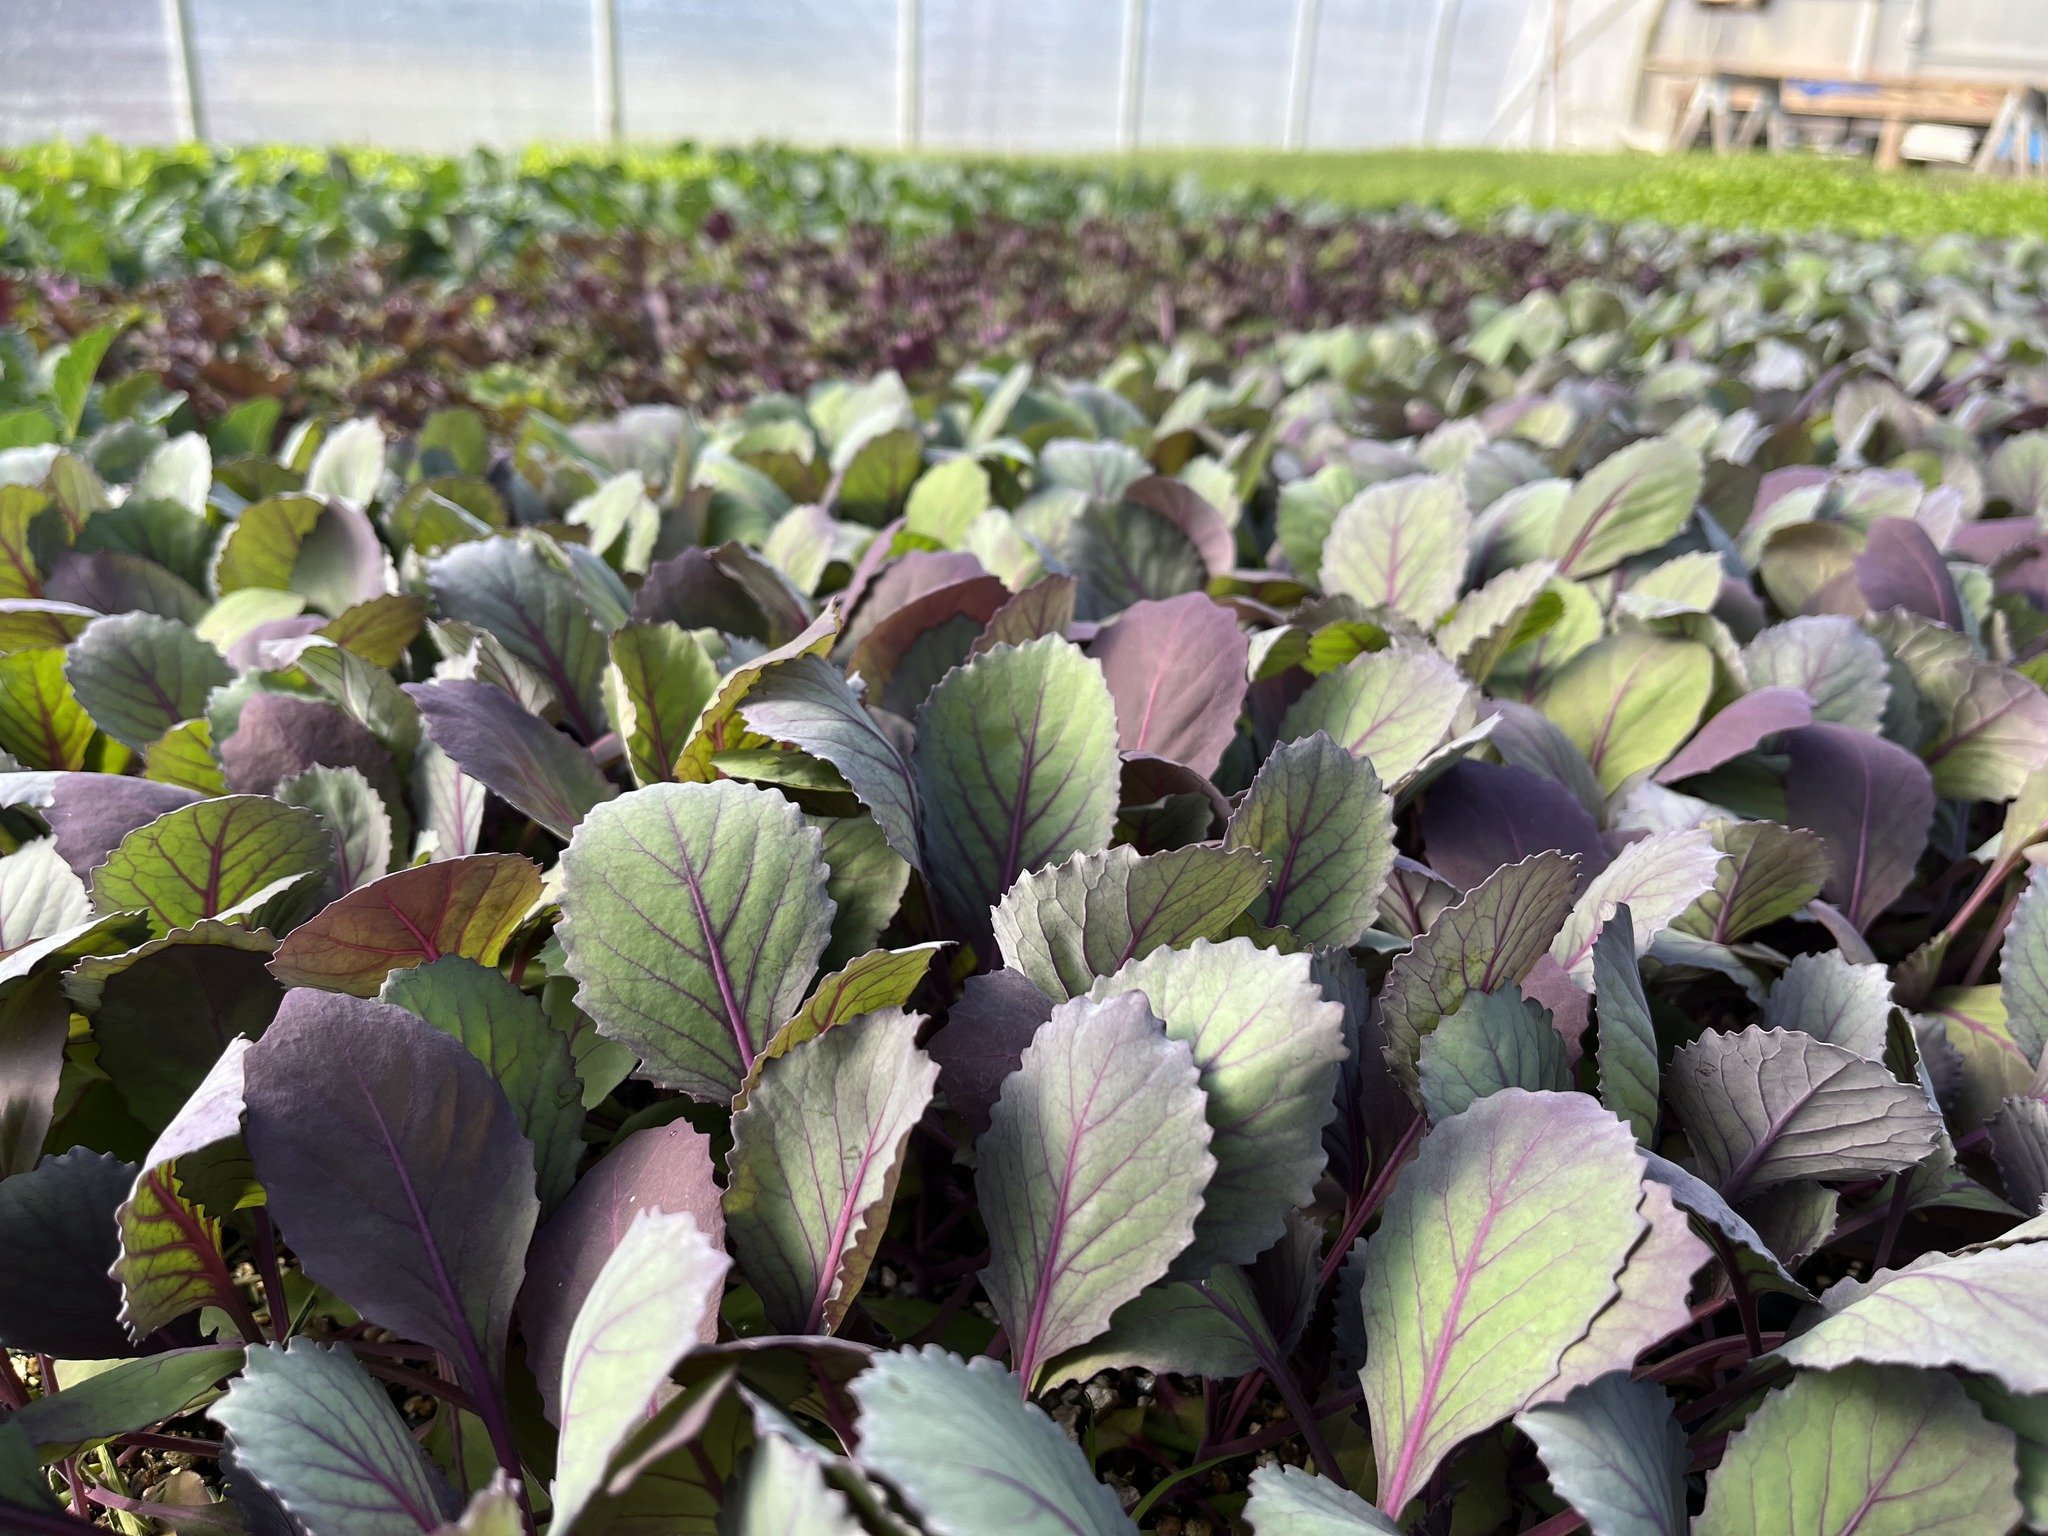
<point x="1736" y="104"/>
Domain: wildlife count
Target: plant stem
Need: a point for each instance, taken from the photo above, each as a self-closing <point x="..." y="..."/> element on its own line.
<point x="418" y="1381"/>
<point x="1563" y="1523"/>
<point x="1894" y="1220"/>
<point x="1375" y="1197"/>
<point x="273" y="1277"/>
<point x="1993" y="937"/>
<point x="1745" y="1299"/>
<point x="1284" y="1383"/>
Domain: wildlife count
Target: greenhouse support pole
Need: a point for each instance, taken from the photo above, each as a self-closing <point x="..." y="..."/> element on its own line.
<point x="1131" y="91"/>
<point x="1443" y="29"/>
<point x="909" y="73"/>
<point x="188" y="104"/>
<point x="607" y="91"/>
<point x="1301" y="74"/>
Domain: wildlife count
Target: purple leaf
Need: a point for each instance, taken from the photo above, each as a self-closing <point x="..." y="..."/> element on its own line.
<point x="1871" y="802"/>
<point x="1742" y="727"/>
<point x="396" y="1170"/>
<point x="57" y="1230"/>
<point x="519" y="756"/>
<point x="1901" y="568"/>
<point x="90" y="813"/>
<point x="696" y="591"/>
<point x="1046" y="607"/>
<point x="666" y="1168"/>
<point x="905" y="653"/>
<point x="1477" y="817"/>
<point x="902" y="582"/>
<point x="986" y="1031"/>
<point x="1767" y="1106"/>
<point x="1176" y="670"/>
<point x="278" y="737"/>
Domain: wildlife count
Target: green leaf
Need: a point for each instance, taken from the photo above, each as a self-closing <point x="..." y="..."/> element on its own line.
<point x="640" y="1318"/>
<point x="1318" y="818"/>
<point x="164" y="1011"/>
<point x="1513" y="609"/>
<point x="184" y="756"/>
<point x="1616" y="1455"/>
<point x="1985" y="1311"/>
<point x="1066" y="925"/>
<point x="1657" y="878"/>
<point x="1865" y="1451"/>
<point x="457" y="906"/>
<point x="245" y="857"/>
<point x="972" y="1457"/>
<point x="138" y="675"/>
<point x="1174" y="1327"/>
<point x="2027" y="1418"/>
<point x="1486" y="942"/>
<point x="1632" y="502"/>
<point x="1831" y="660"/>
<point x="785" y="1492"/>
<point x="505" y="1029"/>
<point x="866" y="880"/>
<point x="1995" y="733"/>
<point x="354" y="813"/>
<point x="1401" y="545"/>
<point x="521" y="591"/>
<point x="1292" y="1501"/>
<point x="1766" y="1106"/>
<point x="806" y="703"/>
<point x="1266" y="1046"/>
<point x="1495" y="1040"/>
<point x="39" y="895"/>
<point x="309" y="1426"/>
<point x="816" y="1155"/>
<point x="1497" y="1250"/>
<point x="1098" y="1138"/>
<point x="1392" y="708"/>
<point x="719" y="728"/>
<point x="20" y="507"/>
<point x="171" y="1262"/>
<point x="133" y="1395"/>
<point x="349" y="463"/>
<point x="1768" y="872"/>
<point x="71" y="378"/>
<point x="693" y="917"/>
<point x="947" y="498"/>
<point x="882" y="978"/>
<point x="659" y="681"/>
<point x="1628" y="702"/>
<point x="1627" y="1050"/>
<point x="41" y="723"/>
<point x="1016" y="768"/>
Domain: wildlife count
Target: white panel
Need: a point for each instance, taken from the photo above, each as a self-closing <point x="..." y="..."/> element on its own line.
<point x="405" y="73"/>
<point x="1000" y="75"/>
<point x="809" y="71"/>
<point x="73" y="68"/>
<point x="1216" y="72"/>
<point x="1370" y="73"/>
